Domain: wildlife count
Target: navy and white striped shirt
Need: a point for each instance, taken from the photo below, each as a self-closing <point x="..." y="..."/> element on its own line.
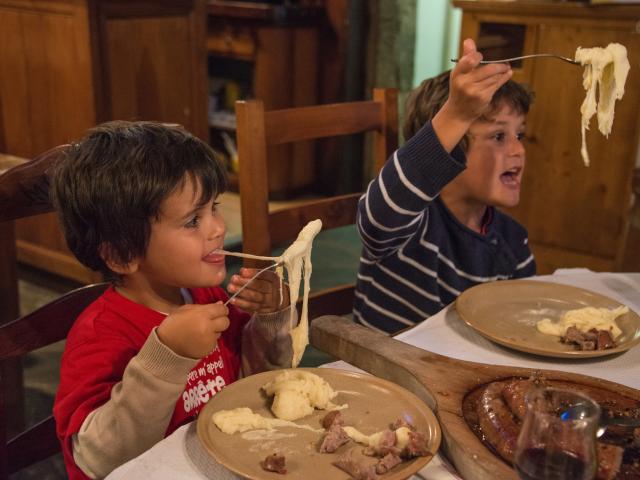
<point x="417" y="257"/>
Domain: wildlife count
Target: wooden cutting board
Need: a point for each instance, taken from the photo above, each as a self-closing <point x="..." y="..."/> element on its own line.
<point x="440" y="381"/>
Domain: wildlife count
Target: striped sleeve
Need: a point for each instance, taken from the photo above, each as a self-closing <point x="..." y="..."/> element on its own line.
<point x="392" y="209"/>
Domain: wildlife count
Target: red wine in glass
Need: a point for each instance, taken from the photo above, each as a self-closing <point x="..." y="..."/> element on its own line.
<point x="557" y="437"/>
<point x="541" y="464"/>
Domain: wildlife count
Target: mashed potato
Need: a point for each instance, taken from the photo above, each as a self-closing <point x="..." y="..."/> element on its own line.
<point x="297" y="393"/>
<point x="584" y="319"/>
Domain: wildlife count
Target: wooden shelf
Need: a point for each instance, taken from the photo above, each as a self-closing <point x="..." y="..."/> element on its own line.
<point x="278" y="15"/>
<point x="281" y="42"/>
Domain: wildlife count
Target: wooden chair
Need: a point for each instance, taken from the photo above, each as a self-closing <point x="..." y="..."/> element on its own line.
<point x="258" y="130"/>
<point x="24" y="191"/>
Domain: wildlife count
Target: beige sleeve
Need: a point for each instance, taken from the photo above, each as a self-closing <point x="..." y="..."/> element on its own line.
<point x="138" y="412"/>
<point x="266" y="342"/>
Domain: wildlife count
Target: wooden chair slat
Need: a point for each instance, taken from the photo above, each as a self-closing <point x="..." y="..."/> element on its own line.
<point x="24" y="189"/>
<point x="305" y="123"/>
<point x="34" y="445"/>
<point x="334" y="212"/>
<point x="48" y="324"/>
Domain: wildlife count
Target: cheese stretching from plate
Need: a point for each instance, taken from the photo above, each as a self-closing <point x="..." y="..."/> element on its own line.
<point x="605" y="69"/>
<point x="584" y="319"/>
<point x="296" y="260"/>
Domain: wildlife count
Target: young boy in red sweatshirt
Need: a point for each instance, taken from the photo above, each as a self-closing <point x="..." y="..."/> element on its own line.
<point x="137" y="202"/>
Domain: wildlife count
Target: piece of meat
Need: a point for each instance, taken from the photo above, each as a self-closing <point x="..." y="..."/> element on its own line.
<point x="387" y="462"/>
<point x="334" y="416"/>
<point x="609" y="460"/>
<point x="417" y="446"/>
<point x="274" y="463"/>
<point x="333" y="439"/>
<point x="584" y="340"/>
<point x="496" y="421"/>
<point x="357" y="468"/>
<point x="401" y="422"/>
<point x="604" y="340"/>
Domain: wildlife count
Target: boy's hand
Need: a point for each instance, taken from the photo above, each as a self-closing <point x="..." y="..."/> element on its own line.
<point x="471" y="88"/>
<point x="193" y="330"/>
<point x="472" y="85"/>
<point x="262" y="295"/>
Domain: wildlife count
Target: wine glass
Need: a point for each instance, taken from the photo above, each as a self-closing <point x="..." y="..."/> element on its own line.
<point x="557" y="440"/>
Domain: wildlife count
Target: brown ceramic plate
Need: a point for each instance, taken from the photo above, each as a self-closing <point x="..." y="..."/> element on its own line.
<point x="507" y="312"/>
<point x="374" y="403"/>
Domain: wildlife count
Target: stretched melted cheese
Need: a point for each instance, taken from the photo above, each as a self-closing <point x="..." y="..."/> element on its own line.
<point x="606" y="70"/>
<point x="296" y="260"/>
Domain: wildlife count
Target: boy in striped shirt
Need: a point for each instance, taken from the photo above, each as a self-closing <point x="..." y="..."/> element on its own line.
<point x="429" y="221"/>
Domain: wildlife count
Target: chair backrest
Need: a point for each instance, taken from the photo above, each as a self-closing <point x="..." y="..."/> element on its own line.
<point x="257" y="130"/>
<point x="24" y="191"/>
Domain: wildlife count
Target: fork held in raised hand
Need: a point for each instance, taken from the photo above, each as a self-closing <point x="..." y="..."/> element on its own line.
<point x="535" y="55"/>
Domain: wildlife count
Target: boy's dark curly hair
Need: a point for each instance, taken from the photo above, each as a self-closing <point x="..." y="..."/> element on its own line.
<point x="424" y="102"/>
<point x="109" y="186"/>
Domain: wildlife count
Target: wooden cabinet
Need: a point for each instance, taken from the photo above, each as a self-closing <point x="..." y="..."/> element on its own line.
<point x="269" y="52"/>
<point x="66" y="65"/>
<point x="577" y="216"/>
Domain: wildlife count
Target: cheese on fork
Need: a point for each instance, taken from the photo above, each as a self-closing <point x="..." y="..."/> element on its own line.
<point x="606" y="70"/>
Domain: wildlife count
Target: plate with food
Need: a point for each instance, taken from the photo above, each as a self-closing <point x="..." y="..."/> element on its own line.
<point x="549" y="319"/>
<point x="310" y="422"/>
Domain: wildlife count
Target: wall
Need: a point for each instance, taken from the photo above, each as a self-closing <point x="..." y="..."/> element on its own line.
<point x="437" y="38"/>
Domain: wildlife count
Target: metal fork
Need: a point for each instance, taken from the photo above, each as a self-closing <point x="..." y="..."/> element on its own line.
<point x="274" y="265"/>
<point x="535" y="55"/>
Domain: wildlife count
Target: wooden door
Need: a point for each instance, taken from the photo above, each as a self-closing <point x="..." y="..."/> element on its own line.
<point x="578" y="215"/>
<point x="46" y="99"/>
<point x="151" y="62"/>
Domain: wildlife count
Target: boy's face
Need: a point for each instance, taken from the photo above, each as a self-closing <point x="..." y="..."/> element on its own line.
<point x="182" y="242"/>
<point x="495" y="159"/>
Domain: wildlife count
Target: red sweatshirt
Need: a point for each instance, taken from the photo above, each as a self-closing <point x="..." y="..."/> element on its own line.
<point x="102" y="342"/>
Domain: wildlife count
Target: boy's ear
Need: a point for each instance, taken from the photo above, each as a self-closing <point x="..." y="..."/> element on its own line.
<point x="113" y="262"/>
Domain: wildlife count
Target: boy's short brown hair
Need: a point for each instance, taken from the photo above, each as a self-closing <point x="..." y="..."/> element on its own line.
<point x="424" y="102"/>
<point x="109" y="186"/>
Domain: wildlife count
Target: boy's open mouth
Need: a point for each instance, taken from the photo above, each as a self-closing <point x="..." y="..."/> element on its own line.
<point x="511" y="177"/>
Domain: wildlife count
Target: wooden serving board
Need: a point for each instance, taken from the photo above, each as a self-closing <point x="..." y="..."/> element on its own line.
<point x="440" y="381"/>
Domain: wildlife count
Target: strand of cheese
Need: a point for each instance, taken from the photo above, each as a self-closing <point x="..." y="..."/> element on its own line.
<point x="296" y="259"/>
<point x="605" y="69"/>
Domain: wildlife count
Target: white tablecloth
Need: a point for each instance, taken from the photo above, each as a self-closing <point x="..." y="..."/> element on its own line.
<point x="180" y="455"/>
